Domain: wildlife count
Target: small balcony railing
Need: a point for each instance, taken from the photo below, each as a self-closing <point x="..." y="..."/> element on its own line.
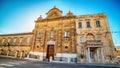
<point x="94" y="42"/>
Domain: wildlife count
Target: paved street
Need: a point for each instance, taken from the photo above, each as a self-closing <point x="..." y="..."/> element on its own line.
<point x="18" y="63"/>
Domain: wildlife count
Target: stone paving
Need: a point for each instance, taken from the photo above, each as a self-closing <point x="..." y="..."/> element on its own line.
<point x="23" y="63"/>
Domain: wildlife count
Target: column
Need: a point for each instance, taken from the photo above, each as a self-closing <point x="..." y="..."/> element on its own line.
<point x="68" y="60"/>
<point x="28" y="55"/>
<point x="0" y="52"/>
<point x="8" y="53"/>
<point x="86" y="53"/>
<point x="97" y="54"/>
<point x="16" y="54"/>
<point x="103" y="59"/>
<point x="89" y="60"/>
<point x="42" y="56"/>
<point x="21" y="54"/>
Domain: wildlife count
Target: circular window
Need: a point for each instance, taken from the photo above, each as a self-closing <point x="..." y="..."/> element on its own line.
<point x="66" y="47"/>
<point x="37" y="46"/>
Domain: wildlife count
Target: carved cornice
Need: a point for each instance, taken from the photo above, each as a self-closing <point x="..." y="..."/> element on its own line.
<point x="91" y="16"/>
<point x="56" y="19"/>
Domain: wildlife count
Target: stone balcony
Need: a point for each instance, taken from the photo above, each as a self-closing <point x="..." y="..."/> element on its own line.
<point x="94" y="42"/>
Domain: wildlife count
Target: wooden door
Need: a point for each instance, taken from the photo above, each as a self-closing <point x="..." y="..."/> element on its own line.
<point x="50" y="51"/>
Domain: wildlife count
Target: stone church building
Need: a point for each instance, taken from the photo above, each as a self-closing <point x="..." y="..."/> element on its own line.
<point x="69" y="38"/>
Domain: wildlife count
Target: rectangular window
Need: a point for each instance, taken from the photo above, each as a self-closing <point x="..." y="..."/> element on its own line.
<point x="28" y="40"/>
<point x="14" y="40"/>
<point x="9" y="40"/>
<point x="79" y="24"/>
<point x="81" y="39"/>
<point x="20" y="40"/>
<point x="99" y="38"/>
<point x="3" y="40"/>
<point x="66" y="34"/>
<point x="39" y="36"/>
<point x="88" y="24"/>
<point x="97" y="23"/>
<point x="51" y="34"/>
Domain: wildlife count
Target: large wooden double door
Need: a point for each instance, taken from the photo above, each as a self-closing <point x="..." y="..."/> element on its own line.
<point x="50" y="52"/>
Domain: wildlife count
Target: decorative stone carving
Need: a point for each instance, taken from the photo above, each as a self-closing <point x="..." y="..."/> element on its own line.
<point x="54" y="12"/>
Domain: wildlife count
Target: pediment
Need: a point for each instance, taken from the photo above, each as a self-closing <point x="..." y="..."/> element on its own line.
<point x="54" y="12"/>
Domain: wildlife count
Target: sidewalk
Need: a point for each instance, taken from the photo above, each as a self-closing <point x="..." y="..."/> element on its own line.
<point x="11" y="57"/>
<point x="99" y="64"/>
<point x="7" y="56"/>
<point x="95" y="64"/>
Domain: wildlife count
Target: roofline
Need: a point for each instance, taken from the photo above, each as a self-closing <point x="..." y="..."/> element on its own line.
<point x="52" y="9"/>
<point x="63" y="17"/>
<point x="91" y="14"/>
<point x="16" y="34"/>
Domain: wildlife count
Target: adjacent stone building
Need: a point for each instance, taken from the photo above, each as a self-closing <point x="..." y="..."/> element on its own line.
<point x="94" y="39"/>
<point x="63" y="38"/>
<point x="118" y="51"/>
<point x="16" y="45"/>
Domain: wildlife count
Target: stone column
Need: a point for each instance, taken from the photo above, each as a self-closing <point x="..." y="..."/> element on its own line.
<point x="21" y="54"/>
<point x="28" y="55"/>
<point x="0" y="52"/>
<point x="8" y="53"/>
<point x="95" y="57"/>
<point x="89" y="60"/>
<point x="16" y="54"/>
<point x="68" y="59"/>
<point x="102" y="54"/>
<point x="98" y="55"/>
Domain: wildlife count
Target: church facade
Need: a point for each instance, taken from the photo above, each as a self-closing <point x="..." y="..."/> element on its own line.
<point x="69" y="38"/>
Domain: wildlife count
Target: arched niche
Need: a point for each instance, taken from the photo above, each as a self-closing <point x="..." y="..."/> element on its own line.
<point x="90" y="36"/>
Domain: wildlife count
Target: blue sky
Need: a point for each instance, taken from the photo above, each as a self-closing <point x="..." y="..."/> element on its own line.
<point x="18" y="16"/>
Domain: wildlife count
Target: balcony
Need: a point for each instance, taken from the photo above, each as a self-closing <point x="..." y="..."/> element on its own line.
<point x="94" y="42"/>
